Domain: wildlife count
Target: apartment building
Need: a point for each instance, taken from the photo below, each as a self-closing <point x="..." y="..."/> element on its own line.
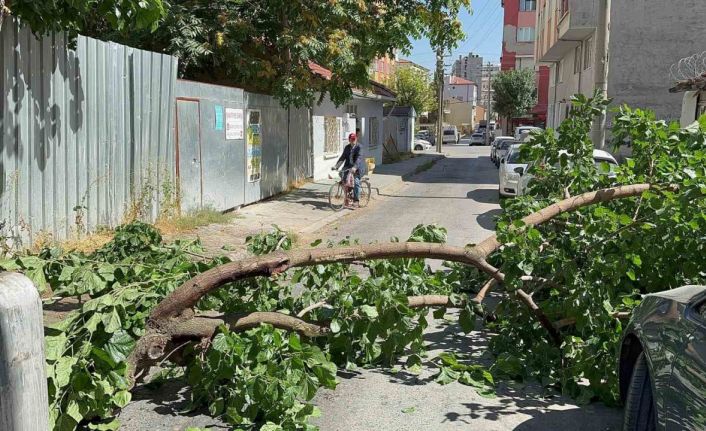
<point x="646" y="38"/>
<point x="404" y="63"/>
<point x="468" y="67"/>
<point x="382" y="70"/>
<point x="518" y="53"/>
<point x="486" y="94"/>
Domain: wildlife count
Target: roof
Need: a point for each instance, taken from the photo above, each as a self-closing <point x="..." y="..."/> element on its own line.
<point x="400" y="111"/>
<point x="692" y="84"/>
<point x="378" y="90"/>
<point x="320" y="70"/>
<point x="457" y="80"/>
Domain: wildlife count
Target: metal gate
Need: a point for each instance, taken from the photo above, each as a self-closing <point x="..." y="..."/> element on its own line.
<point x="188" y="153"/>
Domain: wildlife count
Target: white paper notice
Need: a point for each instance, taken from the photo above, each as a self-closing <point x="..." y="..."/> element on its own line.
<point x="235" y="128"/>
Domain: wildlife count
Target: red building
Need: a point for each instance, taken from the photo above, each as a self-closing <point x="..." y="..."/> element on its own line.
<point x="518" y="53"/>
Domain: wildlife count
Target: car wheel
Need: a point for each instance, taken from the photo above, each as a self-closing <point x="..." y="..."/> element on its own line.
<point x="418" y="148"/>
<point x="640" y="412"/>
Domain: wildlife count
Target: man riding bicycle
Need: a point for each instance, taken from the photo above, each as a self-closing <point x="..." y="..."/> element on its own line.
<point x="351" y="161"/>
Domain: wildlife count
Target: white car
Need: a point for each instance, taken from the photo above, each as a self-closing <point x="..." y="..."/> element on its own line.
<point x="512" y="169"/>
<point x="477" y="139"/>
<point x="522" y="129"/>
<point x="451" y="135"/>
<point x="494" y="146"/>
<point x="421" y="144"/>
<point x="502" y="148"/>
<point x="514" y="181"/>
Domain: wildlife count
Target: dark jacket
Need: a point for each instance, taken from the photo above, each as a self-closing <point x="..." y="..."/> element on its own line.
<point x="351" y="158"/>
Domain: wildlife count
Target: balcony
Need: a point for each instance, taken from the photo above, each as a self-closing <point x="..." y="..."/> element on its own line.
<point x="577" y="20"/>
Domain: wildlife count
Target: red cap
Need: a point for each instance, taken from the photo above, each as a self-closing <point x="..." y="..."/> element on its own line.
<point x="352" y="136"/>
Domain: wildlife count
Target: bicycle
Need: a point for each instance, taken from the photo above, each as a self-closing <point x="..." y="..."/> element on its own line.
<point x="339" y="195"/>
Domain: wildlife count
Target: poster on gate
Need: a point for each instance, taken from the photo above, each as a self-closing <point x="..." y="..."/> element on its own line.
<point x="254" y="145"/>
<point x="234" y="123"/>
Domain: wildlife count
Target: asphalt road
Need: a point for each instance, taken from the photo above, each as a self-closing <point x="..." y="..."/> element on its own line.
<point x="459" y="193"/>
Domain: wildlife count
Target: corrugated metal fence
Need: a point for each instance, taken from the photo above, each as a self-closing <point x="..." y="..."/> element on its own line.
<point x="87" y="133"/>
<point x="213" y="166"/>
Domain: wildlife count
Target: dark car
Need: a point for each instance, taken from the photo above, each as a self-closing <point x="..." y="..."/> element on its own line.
<point x="662" y="362"/>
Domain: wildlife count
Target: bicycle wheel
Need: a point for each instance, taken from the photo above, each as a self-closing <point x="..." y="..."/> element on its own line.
<point x="364" y="193"/>
<point x="336" y="196"/>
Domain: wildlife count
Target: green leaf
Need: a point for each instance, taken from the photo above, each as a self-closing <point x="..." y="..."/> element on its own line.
<point x="439" y="313"/>
<point x="369" y="311"/>
<point x="62" y="370"/>
<point x="414" y="364"/>
<point x="120" y="346"/>
<point x="111" y="321"/>
<point x="54" y="346"/>
<point x="631" y="275"/>
<point x="467" y="320"/>
<point x="624" y="219"/>
<point x="113" y="425"/>
<point x="408" y="410"/>
<point x="73" y="410"/>
<point x="335" y="326"/>
<point x="122" y="398"/>
<point x="294" y="342"/>
<point x="447" y="375"/>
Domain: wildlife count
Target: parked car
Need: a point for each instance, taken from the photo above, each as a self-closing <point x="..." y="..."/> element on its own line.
<point x="662" y="362"/>
<point x="477" y="139"/>
<point x="604" y="161"/>
<point x="421" y="144"/>
<point x="451" y="135"/>
<point x="502" y="148"/>
<point x="494" y="146"/>
<point x="427" y="136"/>
<point x="520" y="130"/>
<point x="512" y="168"/>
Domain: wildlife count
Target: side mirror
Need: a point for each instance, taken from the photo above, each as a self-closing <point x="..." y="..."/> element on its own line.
<point x="502" y="160"/>
<point x="520" y="170"/>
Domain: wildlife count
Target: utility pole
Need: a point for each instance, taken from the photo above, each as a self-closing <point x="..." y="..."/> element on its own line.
<point x="489" y="107"/>
<point x="440" y="83"/>
<point x="598" y="134"/>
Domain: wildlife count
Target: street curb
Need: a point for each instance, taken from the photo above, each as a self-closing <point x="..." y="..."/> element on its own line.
<point x="393" y="185"/>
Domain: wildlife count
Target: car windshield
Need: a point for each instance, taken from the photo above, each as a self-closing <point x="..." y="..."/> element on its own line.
<point x="449" y="132"/>
<point x="477" y="135"/>
<point x="504" y="145"/>
<point x="514" y="157"/>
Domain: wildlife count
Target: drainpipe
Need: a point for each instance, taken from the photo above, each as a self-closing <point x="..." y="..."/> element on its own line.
<point x="598" y="134"/>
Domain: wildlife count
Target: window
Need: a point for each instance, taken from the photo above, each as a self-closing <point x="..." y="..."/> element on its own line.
<point x="374" y="135"/>
<point x="332" y="135"/>
<point x="528" y="5"/>
<point x="525" y="34"/>
<point x="577" y="59"/>
<point x="588" y="53"/>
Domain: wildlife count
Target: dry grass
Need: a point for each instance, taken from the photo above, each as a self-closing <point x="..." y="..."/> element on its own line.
<point x="192" y="220"/>
<point x="88" y="243"/>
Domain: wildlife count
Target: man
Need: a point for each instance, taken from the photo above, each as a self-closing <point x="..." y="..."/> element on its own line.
<point x="351" y="161"/>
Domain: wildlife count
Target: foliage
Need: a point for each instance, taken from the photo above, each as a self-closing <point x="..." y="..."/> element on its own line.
<point x="262" y="377"/>
<point x="414" y="88"/>
<point x="515" y="93"/>
<point x="78" y="16"/>
<point x="267" y="46"/>
<point x="601" y="258"/>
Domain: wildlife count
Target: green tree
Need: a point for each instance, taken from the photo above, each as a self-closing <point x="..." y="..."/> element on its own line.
<point x="268" y="46"/>
<point x="515" y="93"/>
<point x="414" y="88"/>
<point x="80" y="16"/>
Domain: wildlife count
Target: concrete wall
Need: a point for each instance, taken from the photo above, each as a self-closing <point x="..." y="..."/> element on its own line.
<point x="649" y="36"/>
<point x="463" y="93"/>
<point x="366" y="109"/>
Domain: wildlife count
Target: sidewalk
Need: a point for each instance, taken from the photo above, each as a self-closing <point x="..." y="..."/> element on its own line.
<point x="302" y="211"/>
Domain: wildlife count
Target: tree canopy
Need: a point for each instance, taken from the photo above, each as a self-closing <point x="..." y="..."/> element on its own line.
<point x="414" y="88"/>
<point x="515" y="93"/>
<point x="78" y="16"/>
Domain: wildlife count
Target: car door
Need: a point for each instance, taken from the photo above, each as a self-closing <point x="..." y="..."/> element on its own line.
<point x="687" y="408"/>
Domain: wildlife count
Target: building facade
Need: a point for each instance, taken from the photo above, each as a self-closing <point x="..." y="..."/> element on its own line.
<point x="382" y="70"/>
<point x="519" y="33"/>
<point x="403" y="63"/>
<point x="460" y="97"/>
<point x="646" y="38"/>
<point x="468" y="67"/>
<point x="486" y="94"/>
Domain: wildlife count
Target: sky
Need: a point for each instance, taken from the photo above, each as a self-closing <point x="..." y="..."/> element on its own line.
<point x="484" y="35"/>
